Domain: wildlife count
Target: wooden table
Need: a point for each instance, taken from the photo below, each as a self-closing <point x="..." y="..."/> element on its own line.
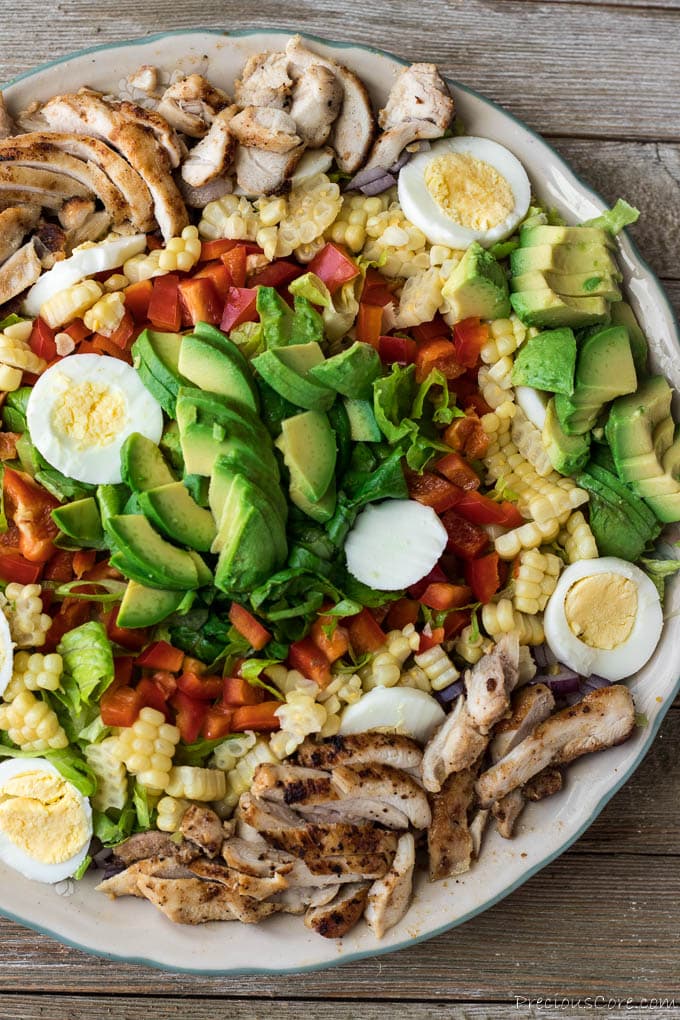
<point x="601" y="81"/>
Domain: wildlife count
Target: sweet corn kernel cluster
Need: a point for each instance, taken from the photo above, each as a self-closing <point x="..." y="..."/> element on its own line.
<point x="147" y="748"/>
<point x="471" y="646"/>
<point x="529" y="442"/>
<point x="194" y="783"/>
<point x="501" y="617"/>
<point x="527" y="536"/>
<point x="349" y="227"/>
<point x="498" y="423"/>
<point x="420" y="298"/>
<point x="112" y="782"/>
<point x="240" y="778"/>
<point x="495" y="382"/>
<point x="230" y="750"/>
<point x="117" y="281"/>
<point x="384" y="669"/>
<point x="536" y="580"/>
<point x="577" y="539"/>
<point x="401" y="248"/>
<point x="343" y="688"/>
<point x="437" y="667"/>
<point x="170" y="812"/>
<point x="22" y="605"/>
<point x="180" y="253"/>
<point x="300" y="716"/>
<point x="106" y="314"/>
<point x="287" y="680"/>
<point x="17" y="356"/>
<point x="31" y="724"/>
<point x="71" y="303"/>
<point x="34" y="673"/>
<point x="416" y="678"/>
<point x="506" y="335"/>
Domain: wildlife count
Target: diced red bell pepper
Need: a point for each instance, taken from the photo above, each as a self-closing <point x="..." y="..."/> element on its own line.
<point x="30" y="507"/>
<point x="13" y="567"/>
<point x="398" y="350"/>
<point x="165" y="310"/>
<point x="437" y="354"/>
<point x="88" y="347"/>
<point x="124" y="332"/>
<point x="154" y="241"/>
<point x="72" y="612"/>
<point x="276" y="274"/>
<point x="458" y="471"/>
<point x="200" y="301"/>
<point x="483" y="576"/>
<point x="469" y="336"/>
<point x="437" y="327"/>
<point x="104" y="345"/>
<point x="476" y="404"/>
<point x="376" y="290"/>
<point x="133" y="639"/>
<point x="467" y="436"/>
<point x="122" y="672"/>
<point x="434" y="577"/>
<point x="121" y="707"/>
<point x="77" y="329"/>
<point x="137" y="299"/>
<point x="191" y="665"/>
<point x="455" y="622"/>
<point x="236" y="691"/>
<point x="166" y="681"/>
<point x="190" y="715"/>
<point x="59" y="567"/>
<point x="365" y="634"/>
<point x="334" y="646"/>
<point x="334" y="266"/>
<point x="217" y="722"/>
<point x="42" y="340"/>
<point x="219" y="276"/>
<point x="203" y="687"/>
<point x="427" y="641"/>
<point x="464" y="538"/>
<point x="480" y="509"/>
<point x="161" y="655"/>
<point x="152" y="696"/>
<point x="240" y="307"/>
<point x="401" y="613"/>
<point x="308" y="658"/>
<point x="83" y="560"/>
<point x="215" y="249"/>
<point x="369" y="324"/>
<point x="248" y="626"/>
<point x="444" y="595"/>
<point x="235" y="260"/>
<point x="9" y="541"/>
<point x="261" y="718"/>
<point x="432" y="490"/>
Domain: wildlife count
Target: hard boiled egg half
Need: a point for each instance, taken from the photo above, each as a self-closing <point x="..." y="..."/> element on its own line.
<point x="6" y="653"/>
<point x="45" y="822"/>
<point x="604" y="617"/>
<point x="82" y="410"/>
<point x="463" y="190"/>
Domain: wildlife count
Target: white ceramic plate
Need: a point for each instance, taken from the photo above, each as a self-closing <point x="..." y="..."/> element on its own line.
<point x="131" y="929"/>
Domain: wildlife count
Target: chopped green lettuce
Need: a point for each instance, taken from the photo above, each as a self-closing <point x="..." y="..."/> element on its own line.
<point x="88" y="665"/>
<point x="249" y="337"/>
<point x="616" y="218"/>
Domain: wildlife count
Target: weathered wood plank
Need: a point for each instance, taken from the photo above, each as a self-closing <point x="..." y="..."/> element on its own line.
<point x="567" y="69"/>
<point x="590" y="925"/>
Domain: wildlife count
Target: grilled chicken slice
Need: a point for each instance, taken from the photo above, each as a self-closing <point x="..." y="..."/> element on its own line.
<point x="75" y="212"/>
<point x="490" y="682"/>
<point x="449" y="840"/>
<point x="94" y="228"/>
<point x="50" y="243"/>
<point x="292" y="785"/>
<point x="337" y="918"/>
<point x="389" y="897"/>
<point x="43" y="187"/>
<point x="355" y="810"/>
<point x="354" y="128"/>
<point x="191" y="104"/>
<point x="260" y="128"/>
<point x="192" y="901"/>
<point x="133" y="136"/>
<point x="298" y="900"/>
<point x="259" y="888"/>
<point x="546" y="784"/>
<point x="213" y="154"/>
<point x="255" y="857"/>
<point x="387" y="785"/>
<point x="198" y="198"/>
<point x="164" y="133"/>
<point x="203" y="826"/>
<point x="264" y="81"/>
<point x="125" y="883"/>
<point x="7" y="125"/>
<point x="530" y="706"/>
<point x="259" y="172"/>
<point x="419" y="93"/>
<point x="20" y="271"/>
<point x="15" y="223"/>
<point x="316" y="101"/>
<point x="454" y="747"/>
<point x="604" y="718"/>
<point x="359" y="749"/>
<point x="506" y="811"/>
<point x="390" y="144"/>
<point x="477" y="829"/>
<point x="43" y="155"/>
<point x="145" y="79"/>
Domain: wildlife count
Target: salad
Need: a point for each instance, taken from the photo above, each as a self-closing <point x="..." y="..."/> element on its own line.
<point x="333" y="480"/>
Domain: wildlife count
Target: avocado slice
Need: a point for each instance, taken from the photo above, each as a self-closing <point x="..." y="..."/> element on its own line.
<point x="81" y="521"/>
<point x="203" y="571"/>
<point x="604" y="371"/>
<point x="618" y="529"/>
<point x="352" y="372"/>
<point x="111" y="499"/>
<point x="142" y="464"/>
<point x="363" y="426"/>
<point x="145" y="607"/>
<point x="216" y="369"/>
<point x="273" y="407"/>
<point x="568" y="454"/>
<point x="288" y="371"/>
<point x="203" y="443"/>
<point x="640" y="514"/>
<point x="307" y="443"/>
<point x="197" y="405"/>
<point x="547" y="361"/>
<point x="544" y="234"/>
<point x="320" y="510"/>
<point x="158" y="391"/>
<point x="248" y="549"/>
<point x="623" y="315"/>
<point x="585" y="257"/>
<point x="631" y="430"/>
<point x="546" y="309"/>
<point x="155" y="562"/>
<point x="222" y="487"/>
<point x="171" y="448"/>
<point x="569" y="284"/>
<point x="156" y="357"/>
<point x="243" y="460"/>
<point x="172" y="510"/>
<point x="477" y="286"/>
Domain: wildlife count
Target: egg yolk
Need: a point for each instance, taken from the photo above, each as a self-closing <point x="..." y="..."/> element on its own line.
<point x="90" y="414"/>
<point x="601" y="609"/>
<point x="469" y="190"/>
<point x="43" y="816"/>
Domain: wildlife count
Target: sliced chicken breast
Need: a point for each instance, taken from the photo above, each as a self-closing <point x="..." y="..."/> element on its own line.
<point x="192" y="901"/>
<point x="449" y="840"/>
<point x="546" y="784"/>
<point x="454" y="747"/>
<point x="385" y="784"/>
<point x="360" y="749"/>
<point x="316" y="101"/>
<point x="337" y="918"/>
<point x="126" y="883"/>
<point x="264" y="81"/>
<point x="506" y="811"/>
<point x="389" y="897"/>
<point x="257" y="887"/>
<point x="419" y="93"/>
<point x="213" y="154"/>
<point x="260" y="172"/>
<point x="490" y="682"/>
<point x="191" y="104"/>
<point x="20" y="271"/>
<point x="260" y="128"/>
<point x="202" y="826"/>
<point x="15" y="223"/>
<point x="43" y="187"/>
<point x="530" y="706"/>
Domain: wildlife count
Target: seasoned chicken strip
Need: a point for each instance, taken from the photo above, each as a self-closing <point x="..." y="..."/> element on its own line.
<point x="506" y="811"/>
<point x="359" y="749"/>
<point x="387" y="785"/>
<point x="530" y="706"/>
<point x="259" y="172"/>
<point x="317" y="97"/>
<point x="20" y="271"/>
<point x="419" y="93"/>
<point x="15" y="223"/>
<point x="41" y="187"/>
<point x="191" y="104"/>
<point x="264" y="81"/>
<point x="490" y="682"/>
<point x="259" y="888"/>
<point x="454" y="747"/>
<point x="449" y="840"/>
<point x="213" y="154"/>
<point x="192" y="901"/>
<point x="125" y="883"/>
<point x="261" y="128"/>
<point x="389" y="897"/>
<point x="337" y="918"/>
<point x="202" y="826"/>
<point x="604" y="718"/>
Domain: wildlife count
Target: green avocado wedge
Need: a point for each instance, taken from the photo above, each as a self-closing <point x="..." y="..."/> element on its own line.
<point x="217" y="369"/>
<point x="145" y="607"/>
<point x="307" y="443"/>
<point x="142" y="464"/>
<point x="81" y="521"/>
<point x="146" y="557"/>
<point x="350" y="373"/>
<point x="251" y="540"/>
<point x="288" y="371"/>
<point x="172" y="510"/>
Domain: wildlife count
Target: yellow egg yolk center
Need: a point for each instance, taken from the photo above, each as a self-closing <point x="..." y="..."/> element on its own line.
<point x="601" y="609"/>
<point x="90" y="414"/>
<point x="43" y="816"/>
<point x="469" y="190"/>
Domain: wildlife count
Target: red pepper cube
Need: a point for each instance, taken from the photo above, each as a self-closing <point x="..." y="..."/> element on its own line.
<point x="334" y="266"/>
<point x="399" y="350"/>
<point x="240" y="307"/>
<point x="200" y="301"/>
<point x="165" y="310"/>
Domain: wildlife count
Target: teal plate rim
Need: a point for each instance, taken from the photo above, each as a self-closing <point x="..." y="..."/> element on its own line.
<point x="653" y="730"/>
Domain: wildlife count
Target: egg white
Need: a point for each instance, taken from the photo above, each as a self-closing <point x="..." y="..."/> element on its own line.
<point x="6" y="653"/>
<point x="628" y="657"/>
<point x="402" y="710"/>
<point x="395" y="543"/>
<point x="19" y="860"/>
<point x="534" y="403"/>
<point x="421" y="209"/>
<point x="98" y="464"/>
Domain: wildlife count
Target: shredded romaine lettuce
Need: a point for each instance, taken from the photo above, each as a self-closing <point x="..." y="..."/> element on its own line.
<point x="88" y="665"/>
<point x="615" y="219"/>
